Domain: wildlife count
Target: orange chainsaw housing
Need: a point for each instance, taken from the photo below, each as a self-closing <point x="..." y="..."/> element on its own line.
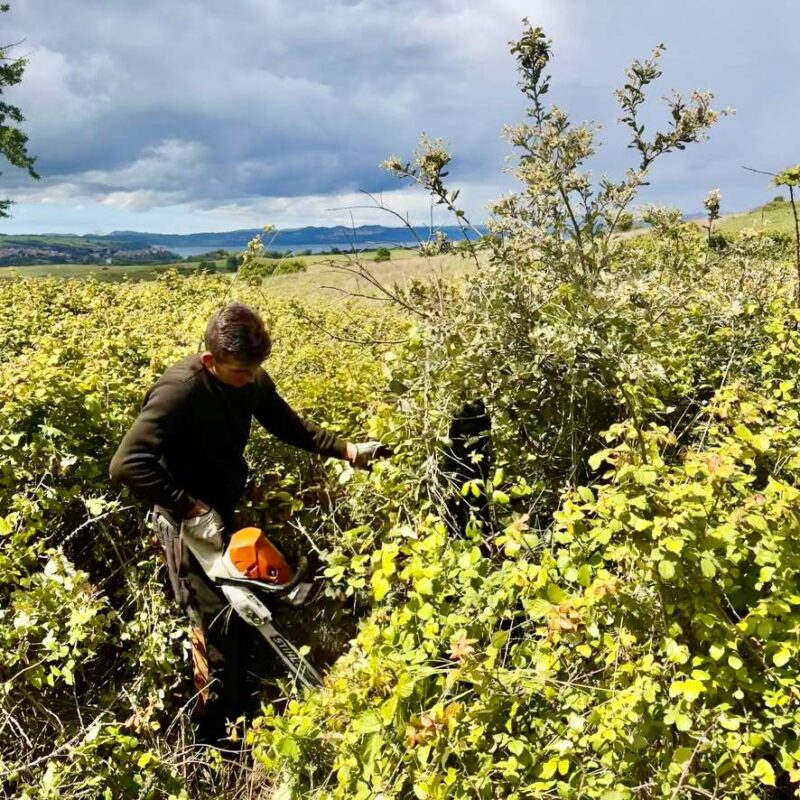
<point x="256" y="557"/>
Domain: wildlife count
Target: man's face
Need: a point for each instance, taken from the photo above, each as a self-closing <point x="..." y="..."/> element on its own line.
<point x="231" y="373"/>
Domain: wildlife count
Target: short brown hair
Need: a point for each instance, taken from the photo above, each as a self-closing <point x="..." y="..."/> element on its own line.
<point x="237" y="333"/>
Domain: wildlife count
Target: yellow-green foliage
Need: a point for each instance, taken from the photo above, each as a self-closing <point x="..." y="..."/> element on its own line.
<point x="618" y="615"/>
<point x="92" y="655"/>
<point x="636" y="629"/>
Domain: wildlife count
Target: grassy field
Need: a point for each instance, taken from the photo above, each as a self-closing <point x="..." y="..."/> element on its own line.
<point x="326" y="275"/>
<point x="136" y="272"/>
<point x="774" y="216"/>
<point x="332" y="276"/>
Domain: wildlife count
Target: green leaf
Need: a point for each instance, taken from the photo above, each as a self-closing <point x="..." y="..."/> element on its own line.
<point x="368" y="722"/>
<point x="743" y="432"/>
<point x="95" y="507"/>
<point x="683" y="723"/>
<point x="678" y="654"/>
<point x="734" y="662"/>
<point x="380" y="585"/>
<point x="716" y="651"/>
<point x="288" y="748"/>
<point x="757" y="522"/>
<point x="549" y="769"/>
<point x="586" y="494"/>
<point x="674" y="544"/>
<point x="645" y="475"/>
<point x="760" y="442"/>
<point x="764" y="772"/>
<point x="517" y="747"/>
<point x="781" y="657"/>
<point x="666" y="569"/>
<point x="585" y="575"/>
<point x="597" y="459"/>
<point x="707" y="567"/>
<point x="690" y="689"/>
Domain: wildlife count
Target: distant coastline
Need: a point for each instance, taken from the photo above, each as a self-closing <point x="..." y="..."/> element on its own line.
<point x="136" y="247"/>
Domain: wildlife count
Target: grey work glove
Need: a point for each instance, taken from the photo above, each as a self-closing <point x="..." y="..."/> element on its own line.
<point x="205" y="531"/>
<point x="367" y="452"/>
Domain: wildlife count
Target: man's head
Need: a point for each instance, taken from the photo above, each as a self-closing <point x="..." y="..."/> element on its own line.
<point x="236" y="344"/>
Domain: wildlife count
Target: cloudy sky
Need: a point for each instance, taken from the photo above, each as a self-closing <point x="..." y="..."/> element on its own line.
<point x="198" y="115"/>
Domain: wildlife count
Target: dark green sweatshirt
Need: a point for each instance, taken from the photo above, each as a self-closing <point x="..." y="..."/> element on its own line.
<point x="188" y="441"/>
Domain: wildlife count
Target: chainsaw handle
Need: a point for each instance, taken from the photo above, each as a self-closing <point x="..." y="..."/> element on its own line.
<point x="276" y="589"/>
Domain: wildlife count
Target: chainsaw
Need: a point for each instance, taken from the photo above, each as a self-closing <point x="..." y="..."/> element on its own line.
<point x="251" y="572"/>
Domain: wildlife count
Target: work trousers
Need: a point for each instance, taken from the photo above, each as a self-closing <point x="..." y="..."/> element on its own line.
<point x="220" y="640"/>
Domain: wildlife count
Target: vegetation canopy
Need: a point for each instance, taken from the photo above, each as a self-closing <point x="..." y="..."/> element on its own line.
<point x="577" y="576"/>
<point x="13" y="142"/>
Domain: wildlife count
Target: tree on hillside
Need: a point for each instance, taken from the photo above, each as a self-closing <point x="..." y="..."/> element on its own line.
<point x="13" y="142"/>
<point x="790" y="177"/>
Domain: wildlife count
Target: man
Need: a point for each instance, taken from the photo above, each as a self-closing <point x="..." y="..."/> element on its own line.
<point x="184" y="456"/>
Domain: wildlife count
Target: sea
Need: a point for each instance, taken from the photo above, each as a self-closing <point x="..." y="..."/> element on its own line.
<point x="317" y="247"/>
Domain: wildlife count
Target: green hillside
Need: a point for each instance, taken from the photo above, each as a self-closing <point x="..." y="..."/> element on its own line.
<point x="775" y="216"/>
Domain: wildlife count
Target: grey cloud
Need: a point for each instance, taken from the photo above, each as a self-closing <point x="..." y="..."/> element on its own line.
<point x="205" y="103"/>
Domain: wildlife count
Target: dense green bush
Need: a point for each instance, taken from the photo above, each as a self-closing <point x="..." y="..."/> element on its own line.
<point x="622" y="622"/>
<point x="646" y="638"/>
<point x="257" y="263"/>
<point x="289" y="267"/>
<point x="93" y="658"/>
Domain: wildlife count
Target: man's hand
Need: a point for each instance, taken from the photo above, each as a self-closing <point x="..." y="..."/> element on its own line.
<point x="363" y="454"/>
<point x="205" y="529"/>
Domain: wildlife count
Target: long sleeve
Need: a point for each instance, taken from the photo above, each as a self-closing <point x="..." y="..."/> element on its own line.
<point x="138" y="461"/>
<point x="277" y="416"/>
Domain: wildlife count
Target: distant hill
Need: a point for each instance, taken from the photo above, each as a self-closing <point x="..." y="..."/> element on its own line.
<point x="22" y="250"/>
<point x="134" y="247"/>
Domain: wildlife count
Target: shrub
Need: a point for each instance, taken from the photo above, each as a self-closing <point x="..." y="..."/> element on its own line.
<point x="614" y="616"/>
<point x="625" y="221"/>
<point x="382" y="254"/>
<point x="288" y="267"/>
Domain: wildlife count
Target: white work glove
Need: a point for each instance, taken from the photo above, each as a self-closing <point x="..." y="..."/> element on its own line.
<point x="364" y="453"/>
<point x="204" y="532"/>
